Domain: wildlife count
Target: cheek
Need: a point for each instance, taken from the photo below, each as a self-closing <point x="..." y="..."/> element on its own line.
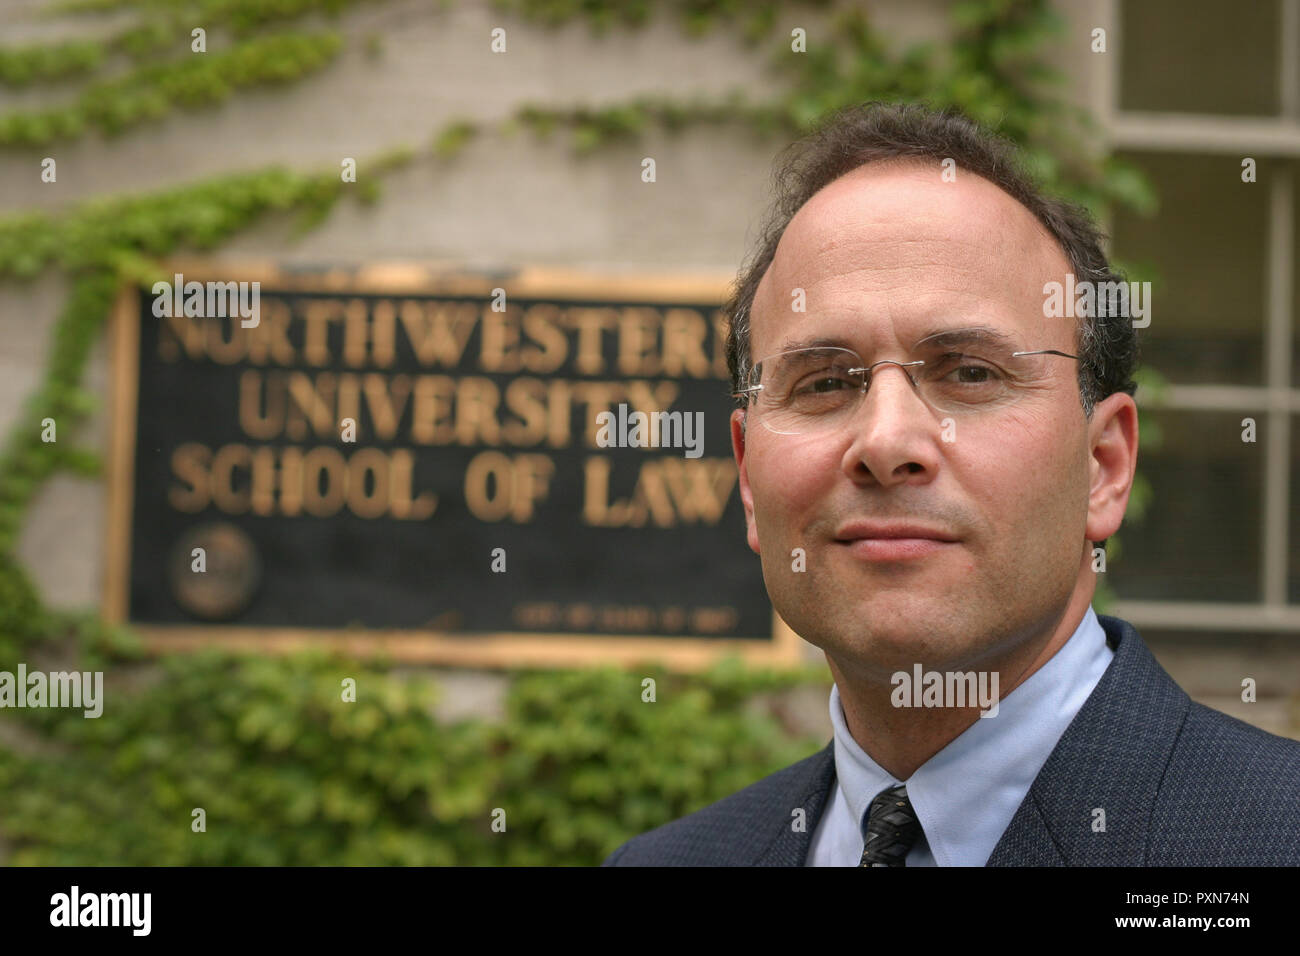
<point x="1013" y="479"/>
<point x="1032" y="481"/>
<point x="788" y="481"/>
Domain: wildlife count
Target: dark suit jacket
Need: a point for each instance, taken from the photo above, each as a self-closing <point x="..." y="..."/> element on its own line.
<point x="1181" y="785"/>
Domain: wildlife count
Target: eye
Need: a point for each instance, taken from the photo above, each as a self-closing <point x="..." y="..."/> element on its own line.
<point x="828" y="382"/>
<point x="964" y="369"/>
<point x="974" y="374"/>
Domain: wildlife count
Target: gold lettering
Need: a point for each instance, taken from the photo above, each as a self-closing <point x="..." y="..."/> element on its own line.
<point x="559" y="414"/>
<point x="190" y="464"/>
<point x="387" y="400"/>
<point x="356" y="333"/>
<point x="263" y="481"/>
<point x="499" y="351"/>
<point x="713" y="620"/>
<point x="269" y="339"/>
<point x="312" y="400"/>
<point x="597" y="397"/>
<point x="619" y="617"/>
<point x="221" y="350"/>
<point x="224" y="495"/>
<point x="517" y="485"/>
<point x="368" y="461"/>
<point x="349" y="402"/>
<point x="596" y="507"/>
<point x="484" y="504"/>
<point x="177" y="330"/>
<point x="431" y="410"/>
<point x="439" y="331"/>
<point x="371" y="483"/>
<point x="541" y="325"/>
<point x="590" y="323"/>
<point x="383" y="333"/>
<point x="700" y="487"/>
<point x="537" y="614"/>
<point x="403" y="465"/>
<point x="530" y="484"/>
<point x="253" y="421"/>
<point x="476" y="412"/>
<point x="651" y="495"/>
<point x="637" y="329"/>
<point x="684" y="333"/>
<point x="668" y="491"/>
<point x="318" y="314"/>
<point x="329" y="463"/>
<point x="644" y="397"/>
<point x="526" y="398"/>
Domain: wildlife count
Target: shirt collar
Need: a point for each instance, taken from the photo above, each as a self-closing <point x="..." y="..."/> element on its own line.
<point x="966" y="794"/>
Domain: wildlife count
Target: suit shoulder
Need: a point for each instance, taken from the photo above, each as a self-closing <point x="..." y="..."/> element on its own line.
<point x="1218" y="746"/>
<point x="728" y="831"/>
<point x="1231" y="788"/>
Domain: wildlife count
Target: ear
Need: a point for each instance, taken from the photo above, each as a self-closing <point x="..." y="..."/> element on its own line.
<point x="746" y="495"/>
<point x="1112" y="462"/>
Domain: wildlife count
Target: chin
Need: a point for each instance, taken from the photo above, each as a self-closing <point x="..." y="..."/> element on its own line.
<point x="900" y="638"/>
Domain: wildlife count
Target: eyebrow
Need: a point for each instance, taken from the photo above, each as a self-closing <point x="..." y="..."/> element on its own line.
<point x="942" y="337"/>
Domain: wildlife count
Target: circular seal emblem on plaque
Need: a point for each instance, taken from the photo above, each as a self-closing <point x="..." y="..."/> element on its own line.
<point x="231" y="571"/>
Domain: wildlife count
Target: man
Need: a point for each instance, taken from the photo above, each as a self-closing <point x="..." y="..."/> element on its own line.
<point x="930" y="465"/>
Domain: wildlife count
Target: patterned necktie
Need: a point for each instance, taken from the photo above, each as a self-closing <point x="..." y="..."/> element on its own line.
<point x="891" y="829"/>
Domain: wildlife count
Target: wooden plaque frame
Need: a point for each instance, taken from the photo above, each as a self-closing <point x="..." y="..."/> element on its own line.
<point x="478" y="649"/>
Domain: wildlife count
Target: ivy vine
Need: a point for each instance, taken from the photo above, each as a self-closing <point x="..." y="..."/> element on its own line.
<point x="287" y="778"/>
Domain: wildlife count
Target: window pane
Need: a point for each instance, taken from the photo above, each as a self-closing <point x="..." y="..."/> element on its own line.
<point x="1199" y="56"/>
<point x="1200" y="537"/>
<point x="1207" y="249"/>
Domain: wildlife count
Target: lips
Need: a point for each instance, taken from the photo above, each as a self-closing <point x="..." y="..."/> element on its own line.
<point x="860" y="530"/>
<point x="892" y="542"/>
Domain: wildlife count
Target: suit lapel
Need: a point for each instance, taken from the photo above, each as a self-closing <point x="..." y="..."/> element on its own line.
<point x="789" y="847"/>
<point x="1110" y="761"/>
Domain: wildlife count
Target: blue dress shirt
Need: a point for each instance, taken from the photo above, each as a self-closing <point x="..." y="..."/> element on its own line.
<point x="967" y="793"/>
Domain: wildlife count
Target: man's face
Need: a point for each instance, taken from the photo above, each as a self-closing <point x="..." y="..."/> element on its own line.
<point x="885" y="255"/>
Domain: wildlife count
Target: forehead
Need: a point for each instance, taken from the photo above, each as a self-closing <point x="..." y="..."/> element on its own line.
<point x="890" y="252"/>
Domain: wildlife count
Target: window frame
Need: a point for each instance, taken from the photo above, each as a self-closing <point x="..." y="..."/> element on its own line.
<point x="1275" y="145"/>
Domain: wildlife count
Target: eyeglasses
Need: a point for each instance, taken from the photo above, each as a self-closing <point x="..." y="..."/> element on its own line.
<point x="806" y="390"/>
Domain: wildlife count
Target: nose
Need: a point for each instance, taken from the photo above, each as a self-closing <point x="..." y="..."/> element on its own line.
<point x="904" y="367"/>
<point x="892" y="432"/>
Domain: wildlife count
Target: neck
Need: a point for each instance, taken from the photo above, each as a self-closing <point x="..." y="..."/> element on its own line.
<point x="901" y="739"/>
